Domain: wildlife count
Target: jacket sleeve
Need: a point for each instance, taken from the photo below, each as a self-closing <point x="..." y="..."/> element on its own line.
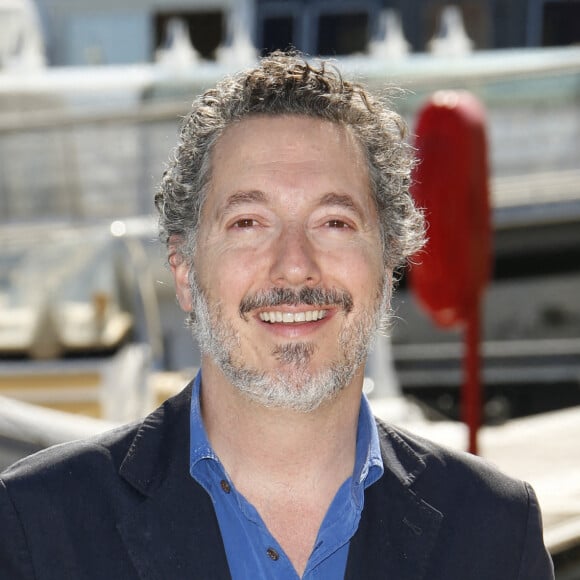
<point x="536" y="562"/>
<point x="15" y="560"/>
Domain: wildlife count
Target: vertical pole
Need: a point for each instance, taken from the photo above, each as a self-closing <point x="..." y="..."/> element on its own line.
<point x="471" y="398"/>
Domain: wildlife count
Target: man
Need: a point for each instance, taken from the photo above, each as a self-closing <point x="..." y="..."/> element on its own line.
<point x="286" y="212"/>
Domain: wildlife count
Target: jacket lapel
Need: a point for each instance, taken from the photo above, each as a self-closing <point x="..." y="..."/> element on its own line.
<point x="173" y="532"/>
<point x="398" y="529"/>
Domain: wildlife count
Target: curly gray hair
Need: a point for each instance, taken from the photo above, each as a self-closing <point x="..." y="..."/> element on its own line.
<point x="287" y="84"/>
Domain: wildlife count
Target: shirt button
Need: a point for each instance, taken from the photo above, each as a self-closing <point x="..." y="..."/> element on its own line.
<point x="272" y="554"/>
<point x="225" y="486"/>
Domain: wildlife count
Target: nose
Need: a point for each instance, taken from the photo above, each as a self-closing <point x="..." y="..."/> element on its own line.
<point x="294" y="260"/>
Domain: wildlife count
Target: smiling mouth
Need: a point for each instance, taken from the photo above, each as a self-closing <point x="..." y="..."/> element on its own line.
<point x="292" y="317"/>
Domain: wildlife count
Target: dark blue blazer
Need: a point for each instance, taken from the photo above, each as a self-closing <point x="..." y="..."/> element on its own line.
<point x="123" y="506"/>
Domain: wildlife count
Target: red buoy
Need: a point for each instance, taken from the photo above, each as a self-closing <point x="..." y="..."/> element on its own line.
<point x="451" y="184"/>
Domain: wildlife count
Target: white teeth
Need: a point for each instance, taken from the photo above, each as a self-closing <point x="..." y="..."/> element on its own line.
<point x="291" y="317"/>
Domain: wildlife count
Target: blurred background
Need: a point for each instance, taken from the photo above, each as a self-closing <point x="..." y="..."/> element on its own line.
<point x="91" y="96"/>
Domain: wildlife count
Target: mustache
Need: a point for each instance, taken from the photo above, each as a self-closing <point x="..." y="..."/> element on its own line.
<point x="291" y="297"/>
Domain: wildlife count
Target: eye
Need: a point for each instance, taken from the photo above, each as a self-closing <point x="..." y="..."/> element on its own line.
<point x="335" y="223"/>
<point x="245" y="223"/>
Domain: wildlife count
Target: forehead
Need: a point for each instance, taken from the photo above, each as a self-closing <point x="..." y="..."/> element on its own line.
<point x="291" y="153"/>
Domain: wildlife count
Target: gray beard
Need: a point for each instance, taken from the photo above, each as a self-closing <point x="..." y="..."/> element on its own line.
<point x="294" y="386"/>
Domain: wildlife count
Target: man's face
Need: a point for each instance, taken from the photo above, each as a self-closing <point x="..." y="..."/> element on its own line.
<point x="289" y="276"/>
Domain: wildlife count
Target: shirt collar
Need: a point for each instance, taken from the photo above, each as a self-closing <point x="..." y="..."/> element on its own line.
<point x="368" y="466"/>
<point x="200" y="447"/>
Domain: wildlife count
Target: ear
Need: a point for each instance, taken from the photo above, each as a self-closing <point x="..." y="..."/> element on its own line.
<point x="180" y="270"/>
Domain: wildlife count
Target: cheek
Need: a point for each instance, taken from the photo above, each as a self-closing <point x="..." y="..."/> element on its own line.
<point x="361" y="272"/>
<point x="228" y="276"/>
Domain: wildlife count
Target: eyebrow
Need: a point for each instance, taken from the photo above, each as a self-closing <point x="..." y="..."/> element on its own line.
<point x="256" y="196"/>
<point x="342" y="200"/>
<point x="241" y="197"/>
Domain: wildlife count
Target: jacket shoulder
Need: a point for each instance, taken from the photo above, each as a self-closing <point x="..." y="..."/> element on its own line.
<point x="63" y="508"/>
<point x="424" y="459"/>
<point x="105" y="451"/>
<point x="483" y="511"/>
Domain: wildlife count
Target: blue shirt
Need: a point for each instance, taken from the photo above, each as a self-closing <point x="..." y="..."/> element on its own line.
<point x="251" y="550"/>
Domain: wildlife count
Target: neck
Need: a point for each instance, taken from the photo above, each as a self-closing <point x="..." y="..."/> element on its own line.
<point x="280" y="446"/>
<point x="288" y="465"/>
